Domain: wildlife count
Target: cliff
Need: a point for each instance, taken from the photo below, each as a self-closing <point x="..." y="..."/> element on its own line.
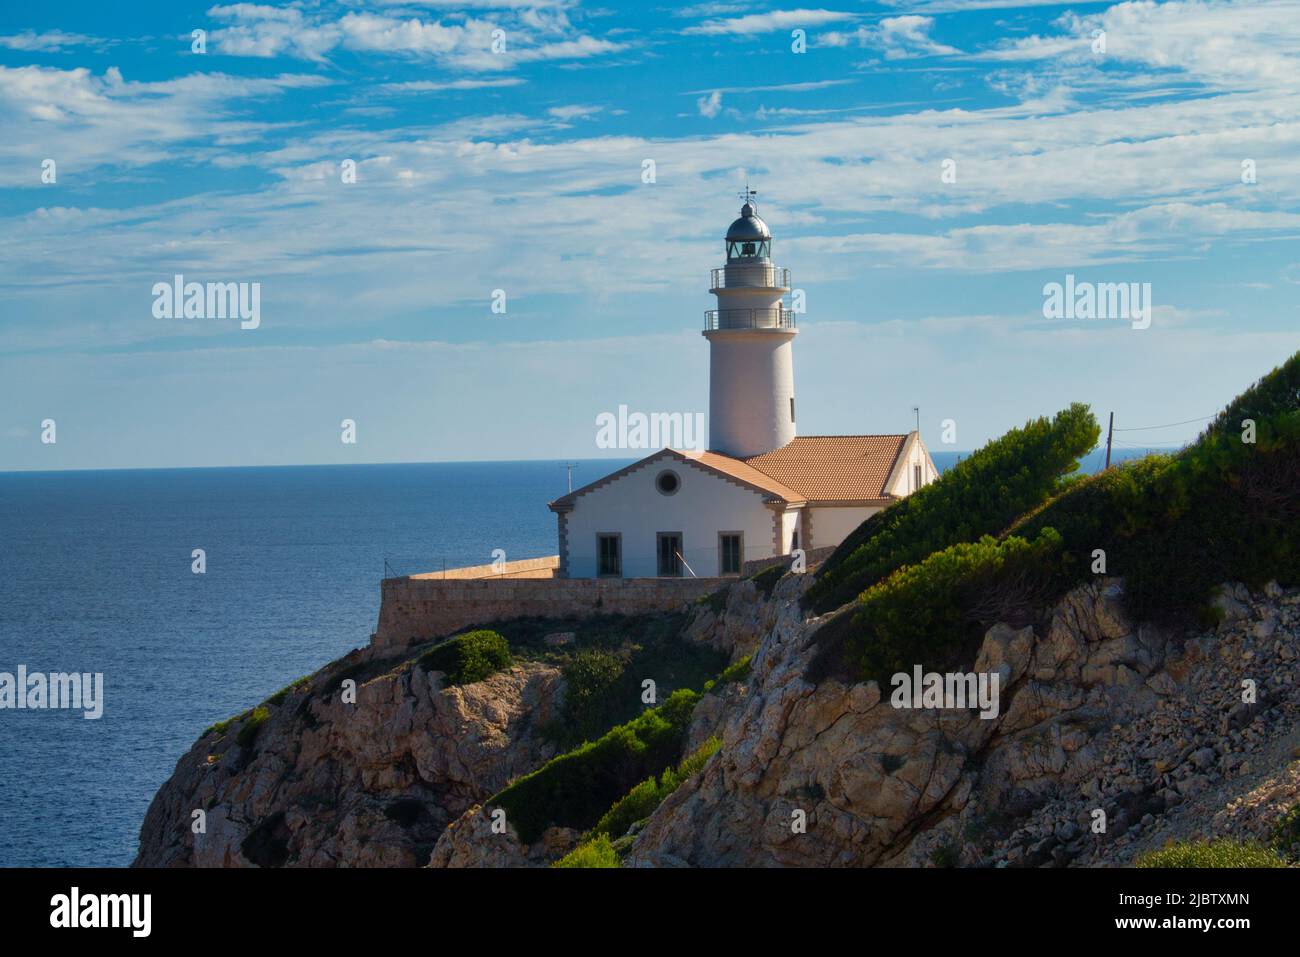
<point x="1145" y="725"/>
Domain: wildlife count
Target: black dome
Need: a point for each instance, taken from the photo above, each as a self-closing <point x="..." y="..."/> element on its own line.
<point x="749" y="228"/>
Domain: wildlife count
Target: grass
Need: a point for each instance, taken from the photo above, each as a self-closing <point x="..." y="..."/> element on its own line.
<point x="575" y="789"/>
<point x="734" y="672"/>
<point x="639" y="803"/>
<point x="601" y="846"/>
<point x="1217" y="853"/>
<point x="248" y="732"/>
<point x="594" y="853"/>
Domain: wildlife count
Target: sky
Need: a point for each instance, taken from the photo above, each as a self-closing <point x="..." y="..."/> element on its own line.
<point x="927" y="169"/>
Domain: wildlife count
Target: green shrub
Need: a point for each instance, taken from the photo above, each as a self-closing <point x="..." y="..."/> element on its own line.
<point x="980" y="495"/>
<point x="639" y="803"/>
<point x="592" y="679"/>
<point x="468" y="658"/>
<point x="248" y="732"/>
<point x="300" y="684"/>
<point x="221" y="727"/>
<point x="574" y="789"/>
<point x="766" y="579"/>
<point x="935" y="612"/>
<point x="733" y="672"/>
<point x="1274" y="395"/>
<point x="1174" y="526"/>
<point x="1286" y="833"/>
<point x="597" y="852"/>
<point x="1219" y="853"/>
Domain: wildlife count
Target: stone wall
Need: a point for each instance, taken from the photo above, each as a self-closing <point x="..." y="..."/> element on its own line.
<point x="813" y="556"/>
<point x="525" y="568"/>
<point x="419" y="609"/>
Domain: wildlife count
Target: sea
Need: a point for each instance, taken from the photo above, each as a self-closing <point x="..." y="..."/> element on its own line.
<point x="97" y="575"/>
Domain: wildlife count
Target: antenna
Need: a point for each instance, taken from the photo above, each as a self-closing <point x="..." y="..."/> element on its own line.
<point x="570" y="466"/>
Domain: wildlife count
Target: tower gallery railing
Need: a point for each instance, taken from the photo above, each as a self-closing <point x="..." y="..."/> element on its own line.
<point x="779" y="318"/>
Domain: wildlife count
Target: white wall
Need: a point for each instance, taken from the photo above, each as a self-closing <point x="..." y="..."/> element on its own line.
<point x="914" y="453"/>
<point x="830" y="526"/>
<point x="751" y="383"/>
<point x="704" y="505"/>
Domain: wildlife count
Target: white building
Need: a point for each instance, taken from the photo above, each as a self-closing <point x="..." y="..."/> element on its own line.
<point x="761" y="491"/>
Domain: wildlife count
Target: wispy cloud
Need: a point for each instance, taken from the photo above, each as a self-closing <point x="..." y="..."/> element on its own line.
<point x="755" y="23"/>
<point x="50" y="41"/>
<point x="514" y="35"/>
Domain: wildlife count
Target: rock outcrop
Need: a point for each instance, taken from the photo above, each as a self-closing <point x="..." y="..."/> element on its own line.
<point x="1098" y="717"/>
<point x="1109" y="739"/>
<point x="324" y="782"/>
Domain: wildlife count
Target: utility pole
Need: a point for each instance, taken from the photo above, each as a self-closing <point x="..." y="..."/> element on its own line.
<point x="570" y="466"/>
<point x="1109" y="433"/>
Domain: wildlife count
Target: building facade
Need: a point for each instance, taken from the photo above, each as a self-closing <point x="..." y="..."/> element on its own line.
<point x="761" y="490"/>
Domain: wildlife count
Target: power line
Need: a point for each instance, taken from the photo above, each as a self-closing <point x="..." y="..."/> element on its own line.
<point x="1144" y="428"/>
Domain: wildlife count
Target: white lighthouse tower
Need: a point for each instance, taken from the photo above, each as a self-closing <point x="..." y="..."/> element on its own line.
<point x="751" y="337"/>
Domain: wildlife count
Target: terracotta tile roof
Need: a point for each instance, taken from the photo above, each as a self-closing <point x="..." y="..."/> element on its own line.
<point x="844" y="468"/>
<point x="743" y="471"/>
<point x="833" y="467"/>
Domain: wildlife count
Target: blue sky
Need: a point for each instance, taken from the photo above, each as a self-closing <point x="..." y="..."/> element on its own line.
<point x="522" y="170"/>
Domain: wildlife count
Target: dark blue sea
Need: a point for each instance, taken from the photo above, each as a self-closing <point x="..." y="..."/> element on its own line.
<point x="95" y="576"/>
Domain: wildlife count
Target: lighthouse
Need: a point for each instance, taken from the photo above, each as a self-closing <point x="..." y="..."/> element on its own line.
<point x="751" y="344"/>
<point x="757" y="492"/>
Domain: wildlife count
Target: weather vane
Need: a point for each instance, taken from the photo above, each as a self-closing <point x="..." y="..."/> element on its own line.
<point x="748" y="194"/>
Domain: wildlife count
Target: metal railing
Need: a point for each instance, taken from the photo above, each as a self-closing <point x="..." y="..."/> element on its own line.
<point x="778" y="318"/>
<point x="750" y="276"/>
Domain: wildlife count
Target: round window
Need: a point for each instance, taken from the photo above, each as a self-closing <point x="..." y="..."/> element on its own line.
<point x="667" y="483"/>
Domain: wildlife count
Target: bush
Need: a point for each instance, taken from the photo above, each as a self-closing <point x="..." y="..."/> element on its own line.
<point x="1220" y="853"/>
<point x="468" y="658"/>
<point x="639" y="803"/>
<point x="981" y="495"/>
<point x="574" y="789"/>
<point x="591" y="680"/>
<point x="1174" y="526"/>
<point x="597" y="852"/>
<point x="934" y="613"/>
<point x="733" y="672"/>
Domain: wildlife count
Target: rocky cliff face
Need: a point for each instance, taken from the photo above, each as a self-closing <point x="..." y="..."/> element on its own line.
<point x="1097" y="715"/>
<point x="330" y="783"/>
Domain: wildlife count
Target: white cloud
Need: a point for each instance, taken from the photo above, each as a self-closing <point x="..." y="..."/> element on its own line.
<point x="711" y="105"/>
<point x="574" y="112"/>
<point x="83" y="121"/>
<point x="897" y="37"/>
<point x="531" y="34"/>
<point x="50" y="41"/>
<point x="435" y="86"/>
<point x="755" y="23"/>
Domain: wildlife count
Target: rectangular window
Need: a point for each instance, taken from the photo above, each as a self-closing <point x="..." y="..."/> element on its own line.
<point x="791" y="408"/>
<point x="916" y="477"/>
<point x="670" y="554"/>
<point x="731" y="551"/>
<point x="609" y="555"/>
